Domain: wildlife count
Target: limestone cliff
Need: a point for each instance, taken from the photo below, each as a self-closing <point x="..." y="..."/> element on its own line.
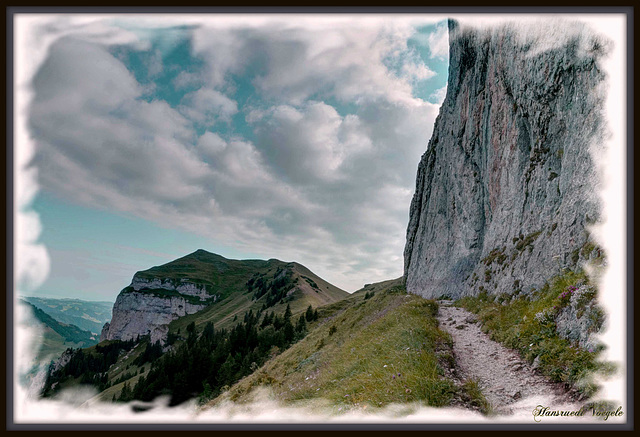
<point x="507" y="186"/>
<point x="159" y="295"/>
<point x="187" y="285"/>
<point x="143" y="313"/>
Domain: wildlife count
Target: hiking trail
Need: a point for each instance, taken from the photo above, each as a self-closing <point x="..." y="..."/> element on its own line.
<point x="509" y="383"/>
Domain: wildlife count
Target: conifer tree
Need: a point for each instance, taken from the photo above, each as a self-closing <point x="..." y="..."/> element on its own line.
<point x="309" y="314"/>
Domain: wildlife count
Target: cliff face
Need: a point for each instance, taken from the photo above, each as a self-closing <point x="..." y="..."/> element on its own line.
<point x="143" y="313"/>
<point x="187" y="285"/>
<point x="507" y="186"/>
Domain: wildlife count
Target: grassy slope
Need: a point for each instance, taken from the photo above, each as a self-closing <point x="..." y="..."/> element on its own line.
<point x="52" y="345"/>
<point x="56" y="337"/>
<point x="512" y="321"/>
<point x="222" y="313"/>
<point x="361" y="353"/>
<point x="380" y="286"/>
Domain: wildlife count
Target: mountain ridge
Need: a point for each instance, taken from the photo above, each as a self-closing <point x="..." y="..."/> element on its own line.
<point x="197" y="281"/>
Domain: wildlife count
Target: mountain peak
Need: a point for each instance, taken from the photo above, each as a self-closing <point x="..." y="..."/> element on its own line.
<point x="202" y="279"/>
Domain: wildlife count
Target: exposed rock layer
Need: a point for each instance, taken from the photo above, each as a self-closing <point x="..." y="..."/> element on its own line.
<point x="507" y="186"/>
<point x="138" y="314"/>
<point x="187" y="285"/>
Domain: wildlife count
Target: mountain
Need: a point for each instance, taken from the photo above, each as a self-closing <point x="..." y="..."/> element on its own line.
<point x="216" y="289"/>
<point x="87" y="315"/>
<point x="507" y="187"/>
<point x="57" y="336"/>
<point x="198" y="323"/>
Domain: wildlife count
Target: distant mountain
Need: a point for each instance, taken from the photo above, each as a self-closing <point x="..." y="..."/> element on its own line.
<point x="57" y="336"/>
<point x="87" y="315"/>
<point x="199" y="321"/>
<point x="216" y="289"/>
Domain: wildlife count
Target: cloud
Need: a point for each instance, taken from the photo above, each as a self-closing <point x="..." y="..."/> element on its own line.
<point x="206" y="106"/>
<point x="186" y="79"/>
<point x="309" y="144"/>
<point x="342" y="59"/>
<point x="417" y="71"/>
<point x="439" y="42"/>
<point x="439" y="95"/>
<point x="88" y="122"/>
<point x="314" y="183"/>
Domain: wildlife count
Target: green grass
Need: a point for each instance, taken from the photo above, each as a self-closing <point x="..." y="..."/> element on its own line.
<point x="361" y="353"/>
<point x="471" y="393"/>
<point x="511" y="320"/>
<point x="221" y="314"/>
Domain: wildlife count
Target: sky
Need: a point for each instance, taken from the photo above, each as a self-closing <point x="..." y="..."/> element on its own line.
<point x="288" y="137"/>
<point x="141" y="138"/>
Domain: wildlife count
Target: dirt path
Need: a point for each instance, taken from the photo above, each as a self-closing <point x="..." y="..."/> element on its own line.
<point x="507" y="382"/>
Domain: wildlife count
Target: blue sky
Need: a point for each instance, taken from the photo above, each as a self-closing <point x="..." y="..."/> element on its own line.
<point x="295" y="139"/>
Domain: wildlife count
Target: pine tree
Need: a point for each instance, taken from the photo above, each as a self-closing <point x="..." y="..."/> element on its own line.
<point x="126" y="395"/>
<point x="301" y="326"/>
<point x="287" y="314"/>
<point x="208" y="332"/>
<point x="309" y="314"/>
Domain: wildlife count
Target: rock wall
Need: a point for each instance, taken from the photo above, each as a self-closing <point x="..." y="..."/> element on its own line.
<point x="138" y="314"/>
<point x="183" y="287"/>
<point x="507" y="186"/>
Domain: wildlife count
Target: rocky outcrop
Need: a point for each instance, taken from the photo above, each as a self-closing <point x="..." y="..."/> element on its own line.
<point x="507" y="187"/>
<point x="581" y="318"/>
<point x="184" y="286"/>
<point x="138" y="313"/>
<point x="64" y="359"/>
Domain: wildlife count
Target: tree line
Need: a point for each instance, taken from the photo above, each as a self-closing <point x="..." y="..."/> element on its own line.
<point x="203" y="364"/>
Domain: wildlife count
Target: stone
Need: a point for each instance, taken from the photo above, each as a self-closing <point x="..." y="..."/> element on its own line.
<point x="505" y="189"/>
<point x="536" y="363"/>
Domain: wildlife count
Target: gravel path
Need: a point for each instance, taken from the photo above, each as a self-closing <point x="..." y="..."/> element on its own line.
<point x="507" y="382"/>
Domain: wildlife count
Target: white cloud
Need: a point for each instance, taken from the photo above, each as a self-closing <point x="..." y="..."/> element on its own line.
<point x="439" y="95"/>
<point x="439" y="42"/>
<point x="309" y="144"/>
<point x="88" y="123"/>
<point x="340" y="59"/>
<point x="206" y="106"/>
<point x="417" y="71"/>
<point x="325" y="189"/>
<point x="186" y="79"/>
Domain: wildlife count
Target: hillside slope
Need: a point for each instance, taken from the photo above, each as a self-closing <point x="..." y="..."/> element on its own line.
<point x="86" y="315"/>
<point x="245" y="310"/>
<point x="506" y="189"/>
<point x="56" y="337"/>
<point x="219" y="288"/>
<point x="364" y="353"/>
